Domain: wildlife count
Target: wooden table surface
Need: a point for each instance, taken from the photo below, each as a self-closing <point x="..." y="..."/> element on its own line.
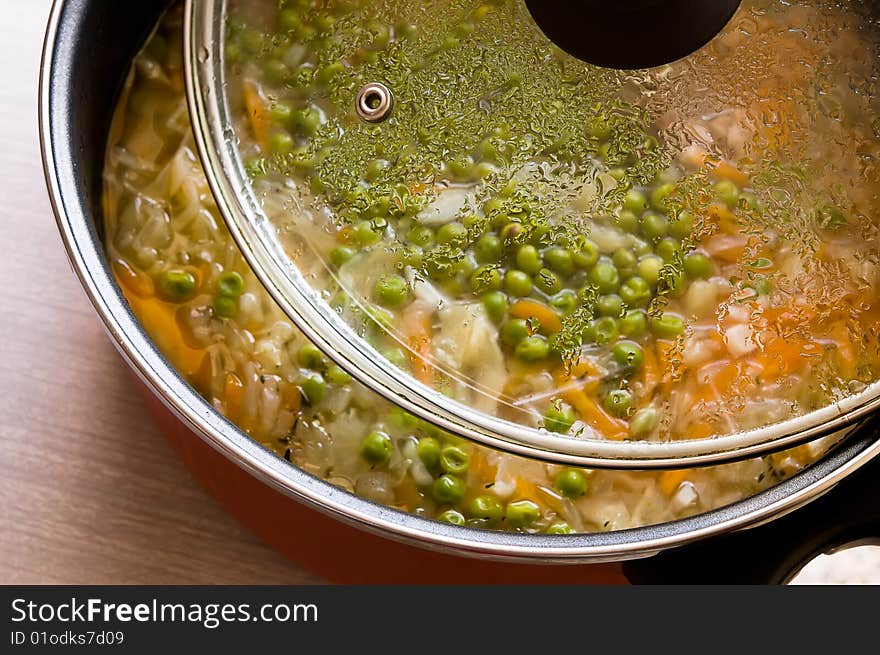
<point x="80" y="504"/>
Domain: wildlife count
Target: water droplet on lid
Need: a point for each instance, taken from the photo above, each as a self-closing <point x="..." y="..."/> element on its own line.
<point x="204" y="54"/>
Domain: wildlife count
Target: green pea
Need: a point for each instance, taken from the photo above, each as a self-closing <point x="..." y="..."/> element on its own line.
<point x="341" y="255"/>
<point x="566" y="301"/>
<point x="641" y="247"/>
<point x="628" y="221"/>
<point x="528" y="259"/>
<point x="233" y="50"/>
<point x="224" y="307"/>
<point x="375" y="168"/>
<point x="762" y="285"/>
<point x="548" y="281"/>
<point x="428" y="450"/>
<point x="587" y="256"/>
<point x="289" y="20"/>
<point x="326" y="74"/>
<point x="453" y="233"/>
<point x="449" y="489"/>
<point x="599" y="128"/>
<point x="727" y="192"/>
<point x="280" y="143"/>
<point x="683" y="225"/>
<point x="559" y="418"/>
<point x="454" y="459"/>
<point x="635" y="292"/>
<point x="413" y="256"/>
<point x="624" y="259"/>
<point x="276" y="71"/>
<point x="512" y="235"/>
<point x="635" y="202"/>
<point x="559" y="528"/>
<point x="313" y="387"/>
<point x="697" y="266"/>
<point x="338" y="376"/>
<point x="452" y="517"/>
<point x="488" y="249"/>
<point x="654" y="226"/>
<point x="634" y="323"/>
<point x="465" y="267"/>
<point x="610" y="305"/>
<point x="559" y="260"/>
<point x="487" y="508"/>
<point x="628" y="354"/>
<point x="533" y="349"/>
<point x="307" y="121"/>
<point x="230" y="284"/>
<point x="643" y="422"/>
<point x="618" y="402"/>
<point x="571" y="483"/>
<point x="382" y="318"/>
<point x="495" y="303"/>
<point x="366" y="233"/>
<point x="311" y="357"/>
<point x="649" y="269"/>
<point x="671" y="282"/>
<point x="485" y="279"/>
<point x="421" y="235"/>
<point x="668" y="249"/>
<point x="605" y="276"/>
<point x="667" y="326"/>
<point x="493" y="206"/>
<point x="253" y="40"/>
<point x="376" y="448"/>
<point x="522" y="513"/>
<point x="396" y="356"/>
<point x="177" y="285"/>
<point x="660" y="194"/>
<point x="514" y="331"/>
<point x="605" y="330"/>
<point x="517" y="283"/>
<point x="391" y="290"/>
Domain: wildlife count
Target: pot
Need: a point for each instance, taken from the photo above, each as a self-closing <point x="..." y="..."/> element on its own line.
<point x="339" y="535"/>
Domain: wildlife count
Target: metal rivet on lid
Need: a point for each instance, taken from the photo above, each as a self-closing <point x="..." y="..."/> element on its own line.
<point x="374" y="102"/>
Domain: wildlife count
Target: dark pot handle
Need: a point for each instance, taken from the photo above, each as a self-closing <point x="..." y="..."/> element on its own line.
<point x="773" y="553"/>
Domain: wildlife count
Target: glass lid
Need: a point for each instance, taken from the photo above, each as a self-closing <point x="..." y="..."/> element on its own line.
<point x="623" y="268"/>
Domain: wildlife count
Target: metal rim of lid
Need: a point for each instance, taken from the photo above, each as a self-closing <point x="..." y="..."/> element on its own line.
<point x="251" y="230"/>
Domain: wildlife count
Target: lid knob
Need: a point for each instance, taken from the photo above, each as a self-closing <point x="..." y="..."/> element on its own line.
<point x="631" y="33"/>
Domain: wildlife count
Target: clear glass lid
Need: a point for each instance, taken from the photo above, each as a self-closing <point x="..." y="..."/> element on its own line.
<point x="664" y="267"/>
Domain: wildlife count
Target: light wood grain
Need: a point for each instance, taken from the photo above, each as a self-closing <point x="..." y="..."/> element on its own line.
<point x="90" y="492"/>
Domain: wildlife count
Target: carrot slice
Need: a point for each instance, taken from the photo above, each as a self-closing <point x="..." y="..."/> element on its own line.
<point x="651" y="373"/>
<point x="846" y="352"/>
<point x="701" y="430"/>
<point x="728" y="247"/>
<point x="257" y="113"/>
<point x="727" y="171"/>
<point x="671" y="480"/>
<point x="140" y="284"/>
<point x="418" y="330"/>
<point x="724" y="218"/>
<point x="160" y="322"/>
<point x="546" y="316"/>
<point x="233" y="392"/>
<point x="595" y="416"/>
